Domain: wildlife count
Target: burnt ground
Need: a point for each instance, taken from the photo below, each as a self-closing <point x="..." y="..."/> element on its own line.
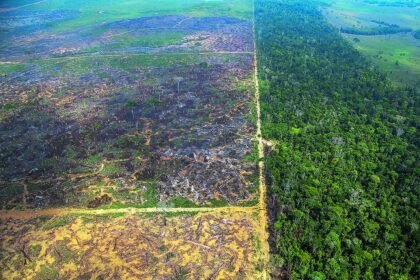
<point x="71" y="129"/>
<point x="131" y="109"/>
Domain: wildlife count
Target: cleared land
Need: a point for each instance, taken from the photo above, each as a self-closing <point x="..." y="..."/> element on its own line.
<point x="130" y="127"/>
<point x="201" y="246"/>
<point x="143" y="110"/>
<point x="395" y="54"/>
<point x="130" y="141"/>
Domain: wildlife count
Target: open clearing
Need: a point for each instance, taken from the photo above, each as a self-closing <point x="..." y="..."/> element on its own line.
<point x="201" y="246"/>
<point x="137" y="110"/>
<point x="130" y="142"/>
<point x="395" y="54"/>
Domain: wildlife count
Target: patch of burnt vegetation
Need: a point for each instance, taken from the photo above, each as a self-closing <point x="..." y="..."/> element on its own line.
<point x="177" y="123"/>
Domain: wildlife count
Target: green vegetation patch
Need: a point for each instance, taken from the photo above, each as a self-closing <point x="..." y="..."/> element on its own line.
<point x="114" y="205"/>
<point x="395" y="55"/>
<point x="182" y="202"/>
<point x="361" y="11"/>
<point x="34" y="250"/>
<point x="218" y="202"/>
<point x="249" y="203"/>
<point x="94" y="159"/>
<point x="150" y="196"/>
<point x="111" y="169"/>
<point x="8" y="68"/>
<point x="57" y="221"/>
<point x="47" y="273"/>
<point x="92" y="218"/>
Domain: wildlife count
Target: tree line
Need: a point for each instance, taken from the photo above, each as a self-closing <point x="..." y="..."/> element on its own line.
<point x="380" y="30"/>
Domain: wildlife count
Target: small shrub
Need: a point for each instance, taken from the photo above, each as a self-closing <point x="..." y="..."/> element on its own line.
<point x="182" y="202"/>
<point x="111" y="170"/>
<point x="57" y="222"/>
<point x="47" y="273"/>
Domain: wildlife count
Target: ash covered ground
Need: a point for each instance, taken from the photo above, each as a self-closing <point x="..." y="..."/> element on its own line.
<point x="147" y="111"/>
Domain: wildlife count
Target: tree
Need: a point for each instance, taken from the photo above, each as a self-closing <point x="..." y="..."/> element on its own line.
<point x="178" y="80"/>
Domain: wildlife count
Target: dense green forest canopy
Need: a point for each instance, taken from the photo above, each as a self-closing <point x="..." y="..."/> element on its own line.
<point x="380" y="30"/>
<point x="343" y="174"/>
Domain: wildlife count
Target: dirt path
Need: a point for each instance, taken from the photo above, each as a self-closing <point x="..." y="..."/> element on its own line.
<point x="263" y="230"/>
